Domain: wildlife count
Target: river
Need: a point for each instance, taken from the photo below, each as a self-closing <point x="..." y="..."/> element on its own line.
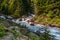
<point x="53" y="30"/>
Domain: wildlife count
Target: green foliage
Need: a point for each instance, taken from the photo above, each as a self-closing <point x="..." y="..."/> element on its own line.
<point x="16" y="33"/>
<point x="47" y="11"/>
<point x="32" y="36"/>
<point x="16" y="8"/>
<point x="2" y="30"/>
<point x="0" y="19"/>
<point x="14" y="39"/>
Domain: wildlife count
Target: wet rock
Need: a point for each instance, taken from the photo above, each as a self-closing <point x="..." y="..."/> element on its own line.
<point x="23" y="38"/>
<point x="32" y="23"/>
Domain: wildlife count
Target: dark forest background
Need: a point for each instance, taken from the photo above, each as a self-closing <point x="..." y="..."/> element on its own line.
<point x="45" y="11"/>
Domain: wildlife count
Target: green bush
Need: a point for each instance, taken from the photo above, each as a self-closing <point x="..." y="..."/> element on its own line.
<point x="1" y="19"/>
<point x="2" y="30"/>
<point x="16" y="33"/>
<point x="32" y="36"/>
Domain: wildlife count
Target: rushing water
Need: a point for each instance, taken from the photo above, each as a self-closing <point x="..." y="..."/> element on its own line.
<point x="53" y="30"/>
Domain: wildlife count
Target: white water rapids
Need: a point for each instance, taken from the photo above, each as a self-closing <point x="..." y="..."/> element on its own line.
<point x="53" y="30"/>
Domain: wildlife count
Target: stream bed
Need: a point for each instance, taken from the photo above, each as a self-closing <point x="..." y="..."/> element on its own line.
<point x="54" y="31"/>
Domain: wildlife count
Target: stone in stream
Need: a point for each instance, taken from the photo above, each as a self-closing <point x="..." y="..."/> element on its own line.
<point x="20" y="19"/>
<point x="31" y="22"/>
<point x="23" y="18"/>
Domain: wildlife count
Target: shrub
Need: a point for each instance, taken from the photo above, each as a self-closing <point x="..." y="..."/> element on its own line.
<point x="16" y="33"/>
<point x="2" y="30"/>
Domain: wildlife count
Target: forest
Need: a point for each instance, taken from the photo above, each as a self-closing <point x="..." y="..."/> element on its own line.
<point x="49" y="10"/>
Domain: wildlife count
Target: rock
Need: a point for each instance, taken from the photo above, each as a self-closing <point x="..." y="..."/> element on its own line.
<point x="6" y="23"/>
<point x="23" y="38"/>
<point x="31" y="23"/>
<point x="8" y="37"/>
<point x="18" y="38"/>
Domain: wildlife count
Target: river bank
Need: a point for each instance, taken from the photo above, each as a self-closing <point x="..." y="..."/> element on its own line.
<point x="55" y="22"/>
<point x="38" y="27"/>
<point x="50" y="25"/>
<point x="54" y="31"/>
<point x="31" y="19"/>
